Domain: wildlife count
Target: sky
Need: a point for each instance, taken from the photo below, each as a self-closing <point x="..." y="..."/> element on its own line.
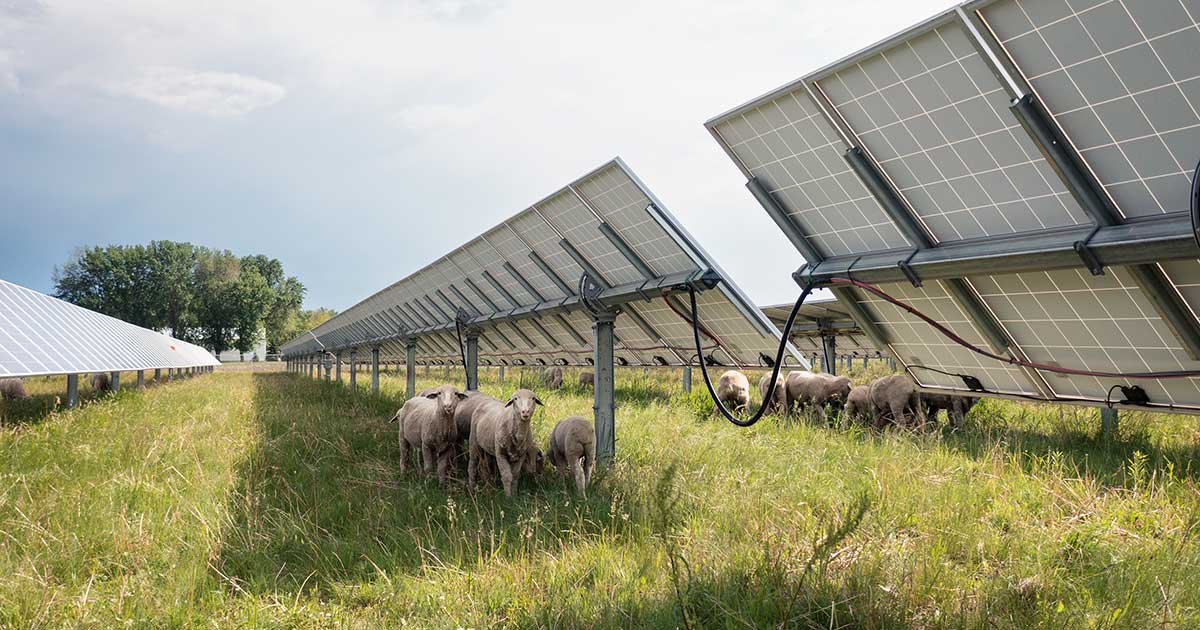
<point x="358" y="140"/>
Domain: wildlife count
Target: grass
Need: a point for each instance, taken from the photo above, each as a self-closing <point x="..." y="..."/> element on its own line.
<point x="264" y="499"/>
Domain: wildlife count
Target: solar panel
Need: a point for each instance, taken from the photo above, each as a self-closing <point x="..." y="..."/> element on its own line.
<point x="519" y="284"/>
<point x="41" y="335"/>
<point x="1036" y="157"/>
<point x="820" y="317"/>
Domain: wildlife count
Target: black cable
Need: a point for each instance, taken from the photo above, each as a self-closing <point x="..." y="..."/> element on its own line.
<point x="783" y="341"/>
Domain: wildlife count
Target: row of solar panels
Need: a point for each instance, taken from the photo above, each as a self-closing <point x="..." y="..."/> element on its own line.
<point x="993" y="126"/>
<point x="519" y="283"/>
<point x="41" y="335"/>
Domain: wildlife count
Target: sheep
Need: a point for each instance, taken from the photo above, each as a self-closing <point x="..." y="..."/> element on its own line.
<point x="427" y="423"/>
<point x="733" y="391"/>
<point x="778" y="402"/>
<point x="12" y="389"/>
<point x="894" y="396"/>
<point x="858" y="403"/>
<point x="100" y="382"/>
<point x="956" y="406"/>
<point x="552" y="377"/>
<point x="503" y="432"/>
<point x="587" y="379"/>
<point x="572" y="445"/>
<point x="820" y="390"/>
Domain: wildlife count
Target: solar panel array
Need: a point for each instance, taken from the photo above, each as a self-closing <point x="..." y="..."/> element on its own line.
<point x="41" y="335"/>
<point x="934" y="111"/>
<point x="519" y="284"/>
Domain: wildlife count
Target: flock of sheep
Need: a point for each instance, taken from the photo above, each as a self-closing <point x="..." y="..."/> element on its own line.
<point x="442" y="423"/>
<point x="14" y="388"/>
<point x="892" y="399"/>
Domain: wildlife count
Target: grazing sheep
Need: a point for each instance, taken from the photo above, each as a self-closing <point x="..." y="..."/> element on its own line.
<point x="100" y="382"/>
<point x="587" y="379"/>
<point x="858" y="403"/>
<point x="427" y="423"/>
<point x="12" y="389"/>
<point x="552" y="377"/>
<point x="503" y="432"/>
<point x="572" y="445"/>
<point x="819" y="390"/>
<point x="956" y="406"/>
<point x="733" y="390"/>
<point x="462" y="423"/>
<point x="778" y="402"/>
<point x="892" y="397"/>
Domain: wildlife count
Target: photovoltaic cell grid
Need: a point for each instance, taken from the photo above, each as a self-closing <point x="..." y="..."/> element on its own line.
<point x="610" y="195"/>
<point x="1122" y="78"/>
<point x="41" y="335"/>
<point x="797" y="155"/>
<point x="937" y="122"/>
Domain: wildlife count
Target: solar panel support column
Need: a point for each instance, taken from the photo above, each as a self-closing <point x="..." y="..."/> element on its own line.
<point x="337" y="361"/>
<point x="353" y="370"/>
<point x="472" y="358"/>
<point x="158" y="375"/>
<point x="1108" y="423"/>
<point x="687" y="379"/>
<point x="114" y="381"/>
<point x="410" y="368"/>
<point x="375" y="370"/>
<point x="141" y="379"/>
<point x="72" y="390"/>
<point x="501" y="373"/>
<point x="829" y="353"/>
<point x="603" y="406"/>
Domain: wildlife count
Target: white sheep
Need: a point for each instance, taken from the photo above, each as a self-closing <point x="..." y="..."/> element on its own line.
<point x="733" y="390"/>
<point x="12" y="389"/>
<point x="817" y="390"/>
<point x="572" y="445"/>
<point x="100" y="382"/>
<point x="892" y="397"/>
<point x="552" y="377"/>
<point x="587" y="379"/>
<point x="778" y="402"/>
<point x="503" y="432"/>
<point x="427" y="424"/>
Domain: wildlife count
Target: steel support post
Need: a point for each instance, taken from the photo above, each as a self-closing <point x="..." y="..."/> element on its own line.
<point x="410" y="368"/>
<point x="687" y="379"/>
<point x="337" y="362"/>
<point x="501" y="373"/>
<point x="604" y="406"/>
<point x="72" y="390"/>
<point x="375" y="370"/>
<point x="114" y="381"/>
<point x="327" y="366"/>
<point x="829" y="354"/>
<point x="141" y="379"/>
<point x="353" y="370"/>
<point x="472" y="360"/>
<point x="158" y="375"/>
<point x="1108" y="423"/>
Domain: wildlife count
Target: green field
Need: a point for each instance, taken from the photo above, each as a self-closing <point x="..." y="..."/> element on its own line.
<point x="267" y="499"/>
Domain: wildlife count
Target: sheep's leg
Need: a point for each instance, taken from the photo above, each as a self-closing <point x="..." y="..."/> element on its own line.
<point x="444" y="465"/>
<point x="516" y="472"/>
<point x="403" y="453"/>
<point x="580" y="478"/>
<point x="426" y="459"/>
<point x="590" y="455"/>
<point x="472" y="464"/>
<point x="506" y="474"/>
<point x="898" y="412"/>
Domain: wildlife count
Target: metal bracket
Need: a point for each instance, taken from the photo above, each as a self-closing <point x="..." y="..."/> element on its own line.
<point x="589" y="294"/>
<point x="1083" y="248"/>
<point x="908" y="271"/>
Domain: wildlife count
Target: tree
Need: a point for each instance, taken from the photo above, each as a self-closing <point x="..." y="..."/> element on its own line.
<point x="287" y="296"/>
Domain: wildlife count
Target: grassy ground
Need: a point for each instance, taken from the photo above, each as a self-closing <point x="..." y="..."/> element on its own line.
<point x="265" y="499"/>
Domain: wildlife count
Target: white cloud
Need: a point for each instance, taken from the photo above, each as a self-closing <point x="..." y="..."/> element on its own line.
<point x="438" y="117"/>
<point x="8" y="73"/>
<point x="222" y="94"/>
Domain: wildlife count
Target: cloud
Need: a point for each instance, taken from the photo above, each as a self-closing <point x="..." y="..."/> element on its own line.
<point x="8" y="73"/>
<point x="438" y="117"/>
<point x="220" y="94"/>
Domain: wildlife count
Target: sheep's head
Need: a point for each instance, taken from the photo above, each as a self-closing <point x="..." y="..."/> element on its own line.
<point x="446" y="397"/>
<point x="525" y="402"/>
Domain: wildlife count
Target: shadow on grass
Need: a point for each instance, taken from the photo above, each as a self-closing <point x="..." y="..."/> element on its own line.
<point x="321" y="501"/>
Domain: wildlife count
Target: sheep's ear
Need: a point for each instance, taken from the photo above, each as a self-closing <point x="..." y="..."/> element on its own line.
<point x="461" y="396"/>
<point x="510" y="401"/>
<point x="538" y="401"/>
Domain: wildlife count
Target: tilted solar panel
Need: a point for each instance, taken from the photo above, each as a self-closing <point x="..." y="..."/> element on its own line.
<point x="1017" y="170"/>
<point x="519" y="285"/>
<point x="41" y="335"/>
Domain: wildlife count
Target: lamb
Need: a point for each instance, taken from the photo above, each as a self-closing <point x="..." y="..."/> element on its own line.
<point x="778" y="402"/>
<point x="100" y="382"/>
<point x="587" y="379"/>
<point x="427" y="423"/>
<point x="858" y="403"/>
<point x="821" y="391"/>
<point x="956" y="406"/>
<point x="12" y="389"/>
<point x="733" y="390"/>
<point x="552" y="377"/>
<point x="572" y="445"/>
<point x="503" y="432"/>
<point x="894" y="396"/>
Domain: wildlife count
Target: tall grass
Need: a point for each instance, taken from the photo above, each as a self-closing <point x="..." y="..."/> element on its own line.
<point x="267" y="499"/>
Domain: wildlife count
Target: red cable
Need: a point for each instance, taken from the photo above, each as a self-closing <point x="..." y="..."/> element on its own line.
<point x="1009" y="360"/>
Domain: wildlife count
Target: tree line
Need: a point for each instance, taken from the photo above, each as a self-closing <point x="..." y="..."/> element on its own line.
<point x="205" y="296"/>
